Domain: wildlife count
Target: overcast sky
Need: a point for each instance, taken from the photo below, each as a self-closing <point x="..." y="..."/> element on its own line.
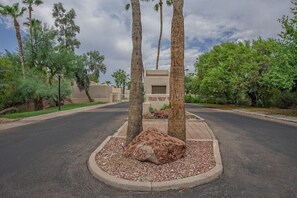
<point x="106" y="26"/>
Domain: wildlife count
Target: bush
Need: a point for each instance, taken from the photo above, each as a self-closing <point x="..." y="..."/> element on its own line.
<point x="287" y="100"/>
<point x="164" y="107"/>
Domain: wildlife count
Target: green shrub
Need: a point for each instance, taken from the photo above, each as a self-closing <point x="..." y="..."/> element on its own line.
<point x="164" y="107"/>
<point x="287" y="100"/>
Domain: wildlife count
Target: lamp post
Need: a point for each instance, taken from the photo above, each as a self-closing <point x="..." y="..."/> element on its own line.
<point x="59" y="91"/>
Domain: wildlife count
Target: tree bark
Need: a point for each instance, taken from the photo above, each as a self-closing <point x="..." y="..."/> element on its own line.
<point x="20" y="44"/>
<point x="135" y="101"/>
<point x="31" y="36"/>
<point x="161" y="32"/>
<point x="88" y="95"/>
<point x="177" y="119"/>
<point x="38" y="103"/>
<point x="253" y="97"/>
<point x="123" y="90"/>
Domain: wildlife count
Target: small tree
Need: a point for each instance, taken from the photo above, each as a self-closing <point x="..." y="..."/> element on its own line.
<point x="92" y="65"/>
<point x="120" y="78"/>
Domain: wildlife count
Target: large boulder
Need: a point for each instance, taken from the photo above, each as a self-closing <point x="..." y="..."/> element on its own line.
<point x="154" y="146"/>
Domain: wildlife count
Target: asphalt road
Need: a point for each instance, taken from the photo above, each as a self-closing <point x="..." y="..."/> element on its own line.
<point x="49" y="159"/>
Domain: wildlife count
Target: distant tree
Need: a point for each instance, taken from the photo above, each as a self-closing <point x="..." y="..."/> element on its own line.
<point x="159" y="6"/>
<point x="107" y="82"/>
<point x="176" y="118"/>
<point x="93" y="65"/>
<point x="120" y="78"/>
<point x="135" y="98"/>
<point x="67" y="29"/>
<point x="15" y="11"/>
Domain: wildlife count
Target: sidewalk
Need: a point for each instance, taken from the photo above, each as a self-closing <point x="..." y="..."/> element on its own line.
<point x="39" y="118"/>
<point x="194" y="130"/>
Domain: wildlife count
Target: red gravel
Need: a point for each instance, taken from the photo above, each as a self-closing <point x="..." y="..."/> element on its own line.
<point x="199" y="159"/>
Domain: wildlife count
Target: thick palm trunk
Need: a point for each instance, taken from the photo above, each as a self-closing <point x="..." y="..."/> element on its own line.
<point x="19" y="39"/>
<point x="176" y="119"/>
<point x="135" y="101"/>
<point x="161" y="32"/>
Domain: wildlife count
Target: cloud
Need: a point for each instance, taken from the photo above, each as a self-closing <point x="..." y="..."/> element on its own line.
<point x="106" y="26"/>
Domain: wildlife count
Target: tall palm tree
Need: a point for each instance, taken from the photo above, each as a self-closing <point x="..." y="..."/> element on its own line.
<point x="176" y="119"/>
<point x="159" y="6"/>
<point x="30" y="4"/>
<point x="135" y="101"/>
<point x="15" y="11"/>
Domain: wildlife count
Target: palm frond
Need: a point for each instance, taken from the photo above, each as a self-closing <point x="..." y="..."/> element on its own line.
<point x="127" y="6"/>
<point x="169" y="2"/>
<point x="156" y="7"/>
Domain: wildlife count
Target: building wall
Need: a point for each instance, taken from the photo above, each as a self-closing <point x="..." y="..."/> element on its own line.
<point x="155" y="78"/>
<point x="100" y="93"/>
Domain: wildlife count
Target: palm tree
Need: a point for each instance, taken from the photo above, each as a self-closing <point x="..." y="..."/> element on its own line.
<point x="176" y="119"/>
<point x="135" y="102"/>
<point x="30" y="3"/>
<point x="14" y="11"/>
<point x="157" y="7"/>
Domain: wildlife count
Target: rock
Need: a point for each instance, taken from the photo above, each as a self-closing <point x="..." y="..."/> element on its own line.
<point x="154" y="146"/>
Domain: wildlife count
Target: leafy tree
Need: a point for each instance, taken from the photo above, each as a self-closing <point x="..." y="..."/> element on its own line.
<point x="92" y="65"/>
<point x="15" y="11"/>
<point x="135" y="99"/>
<point x="107" y="82"/>
<point x="289" y="37"/>
<point x="120" y="78"/>
<point x="67" y="29"/>
<point x="9" y="75"/>
<point x="177" y="118"/>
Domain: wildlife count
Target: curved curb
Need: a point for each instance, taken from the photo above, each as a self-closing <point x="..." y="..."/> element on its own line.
<point x="266" y="116"/>
<point x="188" y="182"/>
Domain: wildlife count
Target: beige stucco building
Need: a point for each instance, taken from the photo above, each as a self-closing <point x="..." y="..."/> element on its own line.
<point x="99" y="93"/>
<point x="156" y="89"/>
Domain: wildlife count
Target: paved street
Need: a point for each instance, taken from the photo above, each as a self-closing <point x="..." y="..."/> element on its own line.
<point x="49" y="158"/>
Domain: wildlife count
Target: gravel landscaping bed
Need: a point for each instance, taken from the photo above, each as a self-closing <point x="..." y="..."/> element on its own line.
<point x="199" y="159"/>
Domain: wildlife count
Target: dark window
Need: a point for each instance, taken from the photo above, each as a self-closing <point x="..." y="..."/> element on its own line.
<point x="158" y="89"/>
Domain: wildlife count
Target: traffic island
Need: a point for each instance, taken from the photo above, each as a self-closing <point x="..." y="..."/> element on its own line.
<point x="201" y="164"/>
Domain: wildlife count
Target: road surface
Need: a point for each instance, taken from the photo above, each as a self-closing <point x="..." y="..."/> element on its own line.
<point x="49" y="158"/>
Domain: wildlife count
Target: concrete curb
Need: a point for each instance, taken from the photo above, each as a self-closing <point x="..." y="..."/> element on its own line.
<point x="188" y="182"/>
<point x="266" y="116"/>
<point x="35" y="119"/>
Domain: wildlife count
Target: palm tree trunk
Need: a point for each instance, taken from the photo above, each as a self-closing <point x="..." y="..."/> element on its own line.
<point x="176" y="119"/>
<point x="19" y="39"/>
<point x="135" y="102"/>
<point x="31" y="36"/>
<point x="161" y="32"/>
